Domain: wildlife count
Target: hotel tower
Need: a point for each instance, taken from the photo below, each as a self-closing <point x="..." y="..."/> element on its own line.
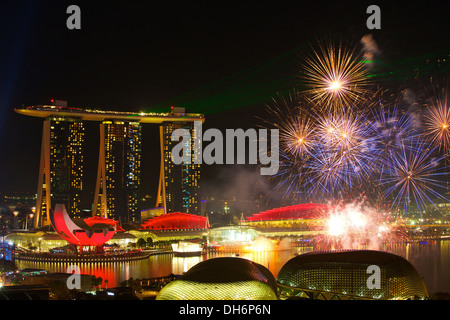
<point x="117" y="188"/>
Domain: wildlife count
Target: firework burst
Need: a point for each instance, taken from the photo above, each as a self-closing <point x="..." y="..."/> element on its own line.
<point x="297" y="139"/>
<point x="341" y="140"/>
<point x="343" y="155"/>
<point x="336" y="76"/>
<point x="293" y="121"/>
<point x="392" y="127"/>
<point x="437" y="123"/>
<point x="415" y="176"/>
<point x="357" y="226"/>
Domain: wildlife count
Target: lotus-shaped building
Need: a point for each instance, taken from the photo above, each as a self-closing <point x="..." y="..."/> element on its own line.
<point x="92" y="231"/>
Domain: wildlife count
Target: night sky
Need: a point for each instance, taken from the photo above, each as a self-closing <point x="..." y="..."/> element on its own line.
<point x="149" y="55"/>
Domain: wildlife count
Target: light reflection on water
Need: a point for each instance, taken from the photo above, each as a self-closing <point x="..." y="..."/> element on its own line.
<point x="431" y="259"/>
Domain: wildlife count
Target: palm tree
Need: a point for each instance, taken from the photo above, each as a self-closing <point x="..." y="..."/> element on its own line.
<point x="141" y="243"/>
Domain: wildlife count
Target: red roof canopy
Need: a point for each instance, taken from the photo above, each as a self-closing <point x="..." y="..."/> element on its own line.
<point x="176" y="220"/>
<point x="300" y="211"/>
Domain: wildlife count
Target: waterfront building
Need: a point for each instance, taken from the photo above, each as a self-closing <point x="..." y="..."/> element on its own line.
<point x="168" y="235"/>
<point x="42" y="241"/>
<point x="223" y="279"/>
<point x="232" y="234"/>
<point x="176" y="221"/>
<point x="302" y="217"/>
<point x="47" y="241"/>
<point x="92" y="231"/>
<point x="344" y="275"/>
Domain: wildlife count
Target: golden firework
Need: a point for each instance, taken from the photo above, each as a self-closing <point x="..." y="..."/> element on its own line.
<point x="336" y="77"/>
<point x="437" y="123"/>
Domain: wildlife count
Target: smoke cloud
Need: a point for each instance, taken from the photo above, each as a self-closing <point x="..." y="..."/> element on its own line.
<point x="410" y="99"/>
<point x="240" y="182"/>
<point x="370" y="47"/>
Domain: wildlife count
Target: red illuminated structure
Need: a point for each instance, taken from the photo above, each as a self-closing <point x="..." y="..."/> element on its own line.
<point x="92" y="231"/>
<point x="300" y="211"/>
<point x="176" y="221"/>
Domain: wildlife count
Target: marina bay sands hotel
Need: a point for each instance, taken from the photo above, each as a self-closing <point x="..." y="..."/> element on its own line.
<point x="117" y="189"/>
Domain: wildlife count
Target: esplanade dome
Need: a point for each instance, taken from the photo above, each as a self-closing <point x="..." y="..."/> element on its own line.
<point x="228" y="278"/>
<point x="347" y="273"/>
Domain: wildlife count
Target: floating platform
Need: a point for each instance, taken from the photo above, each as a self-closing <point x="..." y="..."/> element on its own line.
<point x="187" y="254"/>
<point x="48" y="257"/>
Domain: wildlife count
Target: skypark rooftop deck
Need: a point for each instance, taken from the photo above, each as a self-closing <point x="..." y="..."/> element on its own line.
<point x="44" y="111"/>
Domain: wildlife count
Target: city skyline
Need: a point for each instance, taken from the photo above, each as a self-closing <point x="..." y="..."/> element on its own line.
<point x="209" y="63"/>
<point x="224" y="151"/>
<point x="118" y="193"/>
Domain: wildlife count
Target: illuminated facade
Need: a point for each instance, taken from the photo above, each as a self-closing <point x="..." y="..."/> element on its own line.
<point x="186" y="249"/>
<point x="46" y="241"/>
<point x="222" y="279"/>
<point x="61" y="167"/>
<point x="302" y="216"/>
<point x="179" y="183"/>
<point x="119" y="172"/>
<point x="232" y="234"/>
<point x="344" y="273"/>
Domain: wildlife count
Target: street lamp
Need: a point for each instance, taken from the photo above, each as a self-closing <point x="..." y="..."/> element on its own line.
<point x="26" y="220"/>
<point x="16" y="213"/>
<point x="31" y="218"/>
<point x="33" y="210"/>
